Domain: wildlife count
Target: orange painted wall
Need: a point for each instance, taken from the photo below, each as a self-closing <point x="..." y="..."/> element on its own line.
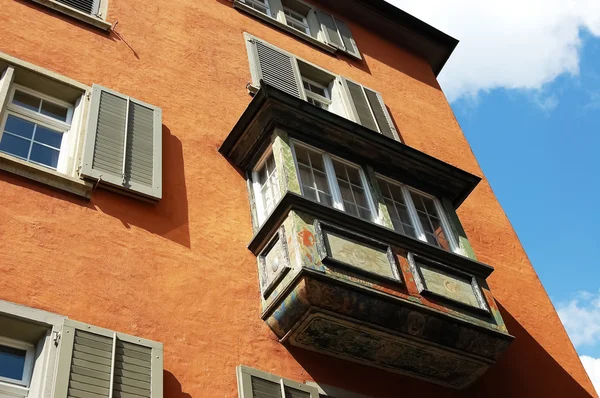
<point x="179" y="272"/>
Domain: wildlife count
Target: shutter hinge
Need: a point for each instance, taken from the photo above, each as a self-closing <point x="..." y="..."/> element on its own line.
<point x="88" y="95"/>
<point x="56" y="338"/>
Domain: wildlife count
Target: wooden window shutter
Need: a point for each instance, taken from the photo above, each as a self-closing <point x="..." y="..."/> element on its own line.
<point x="87" y="6"/>
<point x="6" y="81"/>
<point x="275" y="67"/>
<point x="253" y="383"/>
<point x="369" y="109"/>
<point x="330" y="30"/>
<point x="347" y="38"/>
<point x="123" y="144"/>
<point x="384" y="121"/>
<point x="94" y="362"/>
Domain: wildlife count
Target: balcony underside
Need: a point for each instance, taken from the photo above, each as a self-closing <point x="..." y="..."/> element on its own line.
<point x="354" y="323"/>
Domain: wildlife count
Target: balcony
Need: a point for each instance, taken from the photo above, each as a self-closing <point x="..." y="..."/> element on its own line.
<point x="353" y="288"/>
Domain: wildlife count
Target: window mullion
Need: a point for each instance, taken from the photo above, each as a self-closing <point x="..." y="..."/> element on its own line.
<point x="412" y="210"/>
<point x="336" y="195"/>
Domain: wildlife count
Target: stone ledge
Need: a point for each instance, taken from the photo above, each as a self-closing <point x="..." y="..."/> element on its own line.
<point x="45" y="176"/>
<point x="72" y="12"/>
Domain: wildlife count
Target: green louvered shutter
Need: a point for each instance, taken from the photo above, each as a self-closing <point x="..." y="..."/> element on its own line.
<point x="253" y="383"/>
<point x="347" y="38"/>
<point x="96" y="363"/>
<point x="386" y="127"/>
<point x="275" y="67"/>
<point x="369" y="109"/>
<point x="87" y="6"/>
<point x="123" y="144"/>
<point x="330" y="30"/>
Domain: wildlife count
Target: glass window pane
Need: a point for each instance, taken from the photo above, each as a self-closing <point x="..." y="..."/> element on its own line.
<point x="309" y="192"/>
<point x="302" y="155"/>
<point x="429" y="206"/>
<point x="354" y="176"/>
<point x="345" y="191"/>
<point x="365" y="214"/>
<point x="361" y="198"/>
<point x="350" y="208"/>
<point x="417" y="201"/>
<point x="48" y="137"/>
<point x="19" y="126"/>
<point x="15" y="145"/>
<point x="431" y="239"/>
<point x="317" y="161"/>
<point x="306" y="176"/>
<point x="12" y="362"/>
<point x="26" y="100"/>
<point x="397" y="193"/>
<point x="325" y="199"/>
<point x="322" y="182"/>
<point x="44" y="155"/>
<point x="54" y="111"/>
<point x="340" y="169"/>
<point x="425" y="223"/>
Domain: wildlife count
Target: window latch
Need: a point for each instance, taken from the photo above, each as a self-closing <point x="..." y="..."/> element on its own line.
<point x="56" y="338"/>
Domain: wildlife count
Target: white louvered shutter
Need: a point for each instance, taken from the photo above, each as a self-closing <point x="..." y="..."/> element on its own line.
<point x="87" y="6"/>
<point x="123" y="144"/>
<point x="95" y="363"/>
<point x="370" y="110"/>
<point x="253" y="383"/>
<point x="275" y="67"/>
<point x="347" y="38"/>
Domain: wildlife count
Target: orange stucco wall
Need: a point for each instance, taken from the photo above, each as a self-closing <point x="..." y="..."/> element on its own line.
<point x="179" y="272"/>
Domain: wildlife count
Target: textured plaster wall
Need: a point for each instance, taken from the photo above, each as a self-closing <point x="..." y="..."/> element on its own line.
<point x="179" y="272"/>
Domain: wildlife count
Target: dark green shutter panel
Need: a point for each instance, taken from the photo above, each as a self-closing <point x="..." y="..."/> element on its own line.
<point x="349" y="43"/>
<point x="86" y="6"/>
<point x="262" y="388"/>
<point x="123" y="144"/>
<point x="329" y="27"/>
<point x="277" y="69"/>
<point x="381" y="115"/>
<point x="362" y="106"/>
<point x="93" y="361"/>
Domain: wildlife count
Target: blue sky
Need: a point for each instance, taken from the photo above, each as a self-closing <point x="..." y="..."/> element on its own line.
<point x="524" y="84"/>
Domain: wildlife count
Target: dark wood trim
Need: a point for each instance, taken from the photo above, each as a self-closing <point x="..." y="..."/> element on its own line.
<point x="271" y="108"/>
<point x="294" y="202"/>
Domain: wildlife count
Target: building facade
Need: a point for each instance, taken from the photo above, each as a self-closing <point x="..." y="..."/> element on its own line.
<point x="254" y="199"/>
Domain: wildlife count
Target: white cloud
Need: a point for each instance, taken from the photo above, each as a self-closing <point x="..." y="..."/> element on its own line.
<point x="592" y="367"/>
<point x="512" y="44"/>
<point x="581" y="317"/>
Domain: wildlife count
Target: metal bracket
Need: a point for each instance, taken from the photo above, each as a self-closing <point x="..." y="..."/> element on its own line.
<point x="56" y="338"/>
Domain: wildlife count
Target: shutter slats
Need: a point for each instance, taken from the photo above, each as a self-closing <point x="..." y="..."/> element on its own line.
<point x="265" y="389"/>
<point x="347" y="38"/>
<point x="105" y="383"/>
<point x="94" y="389"/>
<point x="87" y="6"/>
<point x="361" y="105"/>
<point x="91" y="365"/>
<point x="330" y="28"/>
<point x="277" y="69"/>
<point x="380" y="114"/>
<point x="294" y="393"/>
<point x="73" y="393"/>
<point x="126" y="147"/>
<point x="136" y="363"/>
<point x="126" y="381"/>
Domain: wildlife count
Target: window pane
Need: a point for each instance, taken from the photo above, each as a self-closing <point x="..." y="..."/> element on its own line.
<point x="55" y="111"/>
<point x="429" y="206"/>
<point x="365" y="214"/>
<point x="310" y="192"/>
<point x="317" y="161"/>
<point x="345" y="191"/>
<point x="26" y="100"/>
<point x="15" y="145"/>
<point x="350" y="208"/>
<point x="19" y="126"/>
<point x="325" y="199"/>
<point x="322" y="182"/>
<point x="306" y="176"/>
<point x="48" y="137"/>
<point x="12" y="362"/>
<point x="425" y="223"/>
<point x="361" y="198"/>
<point x="417" y="200"/>
<point x="302" y="155"/>
<point x="354" y="176"/>
<point x="44" y="155"/>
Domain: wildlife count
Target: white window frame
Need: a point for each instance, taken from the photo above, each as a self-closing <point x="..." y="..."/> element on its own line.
<point x="416" y="221"/>
<point x="259" y="3"/>
<point x="29" y="356"/>
<point x="296" y="15"/>
<point x="316" y="97"/>
<point x="336" y="195"/>
<point x="67" y="128"/>
<point x="261" y="211"/>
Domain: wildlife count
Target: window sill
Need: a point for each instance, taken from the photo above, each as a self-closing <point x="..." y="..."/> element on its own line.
<point x="72" y="12"/>
<point x="45" y="176"/>
<point x="243" y="7"/>
<point x="13" y="390"/>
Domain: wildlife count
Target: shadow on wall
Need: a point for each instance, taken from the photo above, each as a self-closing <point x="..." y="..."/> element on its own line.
<point x="526" y="370"/>
<point x="360" y="379"/>
<point x="172" y="386"/>
<point x="167" y="218"/>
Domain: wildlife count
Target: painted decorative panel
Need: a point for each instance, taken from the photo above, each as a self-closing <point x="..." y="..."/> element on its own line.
<point x="437" y="280"/>
<point x="360" y="254"/>
<point x="273" y="263"/>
